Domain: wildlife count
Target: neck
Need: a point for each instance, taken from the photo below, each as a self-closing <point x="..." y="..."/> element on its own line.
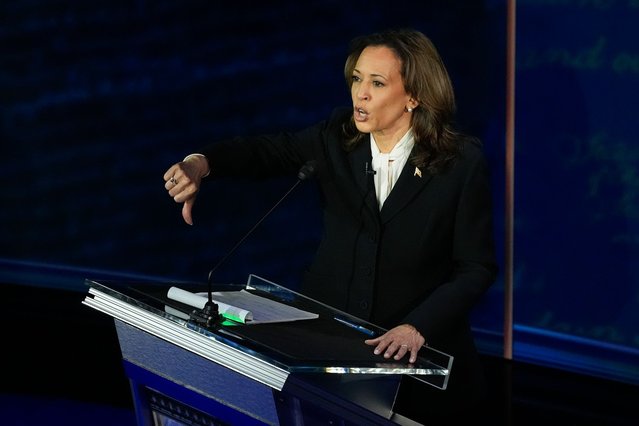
<point x="386" y="141"/>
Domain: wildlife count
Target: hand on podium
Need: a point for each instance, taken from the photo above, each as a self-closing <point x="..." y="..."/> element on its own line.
<point x="398" y="341"/>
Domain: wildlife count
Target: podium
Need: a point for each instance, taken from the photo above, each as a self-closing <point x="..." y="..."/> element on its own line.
<point x="312" y="371"/>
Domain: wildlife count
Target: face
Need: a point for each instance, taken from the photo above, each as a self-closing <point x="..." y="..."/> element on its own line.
<point x="378" y="94"/>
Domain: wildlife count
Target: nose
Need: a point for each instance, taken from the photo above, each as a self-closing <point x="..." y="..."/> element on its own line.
<point x="362" y="92"/>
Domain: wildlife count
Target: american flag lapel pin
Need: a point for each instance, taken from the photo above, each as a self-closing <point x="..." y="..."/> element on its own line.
<point x="417" y="172"/>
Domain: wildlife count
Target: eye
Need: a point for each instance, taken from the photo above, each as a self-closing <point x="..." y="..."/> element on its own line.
<point x="378" y="83"/>
<point x="355" y="79"/>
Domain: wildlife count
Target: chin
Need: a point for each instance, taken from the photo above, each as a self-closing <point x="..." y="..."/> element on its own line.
<point x="363" y="127"/>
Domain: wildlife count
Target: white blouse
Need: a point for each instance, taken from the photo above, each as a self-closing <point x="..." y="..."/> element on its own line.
<point x="388" y="166"/>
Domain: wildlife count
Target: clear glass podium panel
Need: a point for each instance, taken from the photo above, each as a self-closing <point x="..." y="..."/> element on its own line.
<point x="333" y="342"/>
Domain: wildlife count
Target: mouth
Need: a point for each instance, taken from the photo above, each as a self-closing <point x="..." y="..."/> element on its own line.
<point x="360" y="114"/>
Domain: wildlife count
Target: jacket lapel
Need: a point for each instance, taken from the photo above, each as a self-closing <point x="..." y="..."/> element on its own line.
<point x="360" y="163"/>
<point x="355" y="184"/>
<point x="410" y="182"/>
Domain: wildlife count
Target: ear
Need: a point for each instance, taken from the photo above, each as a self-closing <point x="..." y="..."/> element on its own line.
<point x="411" y="105"/>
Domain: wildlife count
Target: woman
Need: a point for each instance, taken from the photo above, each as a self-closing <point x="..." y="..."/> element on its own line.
<point x="406" y="199"/>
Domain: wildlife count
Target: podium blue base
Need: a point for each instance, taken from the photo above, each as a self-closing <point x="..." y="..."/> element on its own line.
<point x="174" y="387"/>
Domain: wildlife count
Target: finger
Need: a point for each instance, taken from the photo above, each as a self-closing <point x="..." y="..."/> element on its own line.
<point x="372" y="342"/>
<point x="413" y="356"/>
<point x="170" y="184"/>
<point x="391" y="350"/>
<point x="403" y="349"/>
<point x="174" y="180"/>
<point x="381" y="347"/>
<point x="170" y="172"/>
<point x="187" y="211"/>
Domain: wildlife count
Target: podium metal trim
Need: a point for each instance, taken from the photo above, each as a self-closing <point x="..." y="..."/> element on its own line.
<point x="200" y="344"/>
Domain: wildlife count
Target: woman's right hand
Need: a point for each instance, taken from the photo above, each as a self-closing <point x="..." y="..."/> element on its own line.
<point x="182" y="181"/>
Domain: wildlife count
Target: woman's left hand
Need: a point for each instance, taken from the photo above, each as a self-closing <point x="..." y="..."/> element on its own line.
<point x="397" y="342"/>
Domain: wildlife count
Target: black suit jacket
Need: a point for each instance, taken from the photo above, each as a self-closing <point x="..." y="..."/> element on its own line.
<point x="424" y="259"/>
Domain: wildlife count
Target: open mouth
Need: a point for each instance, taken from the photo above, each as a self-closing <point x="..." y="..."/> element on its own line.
<point x="360" y="114"/>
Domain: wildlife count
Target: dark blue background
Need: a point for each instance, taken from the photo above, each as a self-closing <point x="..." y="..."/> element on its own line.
<point x="99" y="98"/>
<point x="577" y="184"/>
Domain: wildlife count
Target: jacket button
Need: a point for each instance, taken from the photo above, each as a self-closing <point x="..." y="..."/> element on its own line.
<point x="363" y="304"/>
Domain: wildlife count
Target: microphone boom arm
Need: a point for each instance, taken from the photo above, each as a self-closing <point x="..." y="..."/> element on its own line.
<point x="209" y="316"/>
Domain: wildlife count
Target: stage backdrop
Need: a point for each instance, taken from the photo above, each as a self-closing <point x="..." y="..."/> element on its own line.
<point x="99" y="98"/>
<point x="577" y="184"/>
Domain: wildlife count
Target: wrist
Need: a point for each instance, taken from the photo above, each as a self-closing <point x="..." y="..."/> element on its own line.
<point x="203" y="163"/>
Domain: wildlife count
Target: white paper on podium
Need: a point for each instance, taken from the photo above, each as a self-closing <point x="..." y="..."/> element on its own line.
<point x="243" y="306"/>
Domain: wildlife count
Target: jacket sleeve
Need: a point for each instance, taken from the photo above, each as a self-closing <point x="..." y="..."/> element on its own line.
<point x="270" y="155"/>
<point x="473" y="259"/>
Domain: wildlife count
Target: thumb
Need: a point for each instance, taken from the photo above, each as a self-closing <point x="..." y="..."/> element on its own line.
<point x="186" y="211"/>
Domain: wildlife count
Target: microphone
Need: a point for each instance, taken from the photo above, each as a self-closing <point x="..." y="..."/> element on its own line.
<point x="370" y="186"/>
<point x="308" y="170"/>
<point x="369" y="171"/>
<point x="209" y="316"/>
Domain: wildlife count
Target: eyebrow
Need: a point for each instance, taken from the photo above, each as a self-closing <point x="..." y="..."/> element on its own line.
<point x="372" y="75"/>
